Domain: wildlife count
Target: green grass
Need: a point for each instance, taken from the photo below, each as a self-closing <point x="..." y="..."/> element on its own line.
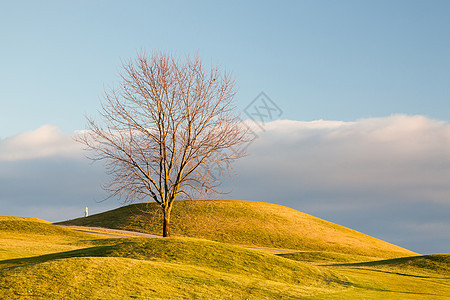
<point x="49" y="262"/>
<point x="195" y="252"/>
<point x="247" y="223"/>
<point x="372" y="284"/>
<point x="24" y="237"/>
<point x="153" y="268"/>
<point x="417" y="277"/>
<point x="125" y="278"/>
<point x="222" y="257"/>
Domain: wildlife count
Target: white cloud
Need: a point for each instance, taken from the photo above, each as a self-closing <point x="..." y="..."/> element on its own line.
<point x="46" y="141"/>
<point x="396" y="155"/>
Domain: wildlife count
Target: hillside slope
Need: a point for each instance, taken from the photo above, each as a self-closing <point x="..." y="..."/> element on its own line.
<point x="246" y="223"/>
<point x="81" y="266"/>
<point x="23" y="237"/>
<point x="43" y="261"/>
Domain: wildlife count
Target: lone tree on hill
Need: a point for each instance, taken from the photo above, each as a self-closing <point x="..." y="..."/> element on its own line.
<point x="167" y="131"/>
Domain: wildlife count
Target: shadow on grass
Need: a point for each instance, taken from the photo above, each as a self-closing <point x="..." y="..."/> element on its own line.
<point x="97" y="251"/>
<point x="434" y="266"/>
<point x="402" y="274"/>
<point x="392" y="291"/>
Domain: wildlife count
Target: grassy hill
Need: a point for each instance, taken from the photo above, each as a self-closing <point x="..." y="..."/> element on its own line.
<point x="43" y="261"/>
<point x="173" y="268"/>
<point x="248" y="223"/>
<point x="24" y="237"/>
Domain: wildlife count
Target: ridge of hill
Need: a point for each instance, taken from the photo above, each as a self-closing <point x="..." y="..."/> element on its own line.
<point x="247" y="223"/>
<point x="24" y="225"/>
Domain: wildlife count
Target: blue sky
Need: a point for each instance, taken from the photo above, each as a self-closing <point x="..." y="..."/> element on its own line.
<point x="377" y="72"/>
<point x="337" y="60"/>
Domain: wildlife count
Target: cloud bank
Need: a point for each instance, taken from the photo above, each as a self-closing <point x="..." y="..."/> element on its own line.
<point x="46" y="141"/>
<point x="403" y="156"/>
<point x="387" y="177"/>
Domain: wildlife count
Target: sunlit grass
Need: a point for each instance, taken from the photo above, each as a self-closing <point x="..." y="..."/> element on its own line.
<point x="417" y="277"/>
<point x="125" y="278"/>
<point x="151" y="267"/>
<point x="437" y="265"/>
<point x="43" y="261"/>
<point x="373" y="284"/>
<point x="214" y="255"/>
<point x="322" y="257"/>
<point x="248" y="223"/>
<point x="23" y="237"/>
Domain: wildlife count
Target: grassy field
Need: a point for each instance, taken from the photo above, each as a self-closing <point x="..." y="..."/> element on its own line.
<point x="42" y="261"/>
<point x="150" y="268"/>
<point x="247" y="223"/>
<point x="24" y="237"/>
<point x="416" y="277"/>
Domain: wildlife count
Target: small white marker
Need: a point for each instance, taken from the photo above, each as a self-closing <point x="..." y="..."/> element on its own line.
<point x="86" y="212"/>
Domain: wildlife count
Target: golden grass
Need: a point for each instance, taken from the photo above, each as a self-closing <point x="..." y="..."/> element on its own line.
<point x="23" y="237"/>
<point x="373" y="284"/>
<point x="436" y="265"/>
<point x="125" y="278"/>
<point x="323" y="257"/>
<point x="248" y="223"/>
<point x="36" y="264"/>
<point x="173" y="268"/>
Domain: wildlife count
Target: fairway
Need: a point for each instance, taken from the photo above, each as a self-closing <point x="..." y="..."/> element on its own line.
<point x="45" y="261"/>
<point x="247" y="223"/>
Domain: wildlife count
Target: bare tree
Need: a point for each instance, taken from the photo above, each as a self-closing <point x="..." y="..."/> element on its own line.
<point x="167" y="131"/>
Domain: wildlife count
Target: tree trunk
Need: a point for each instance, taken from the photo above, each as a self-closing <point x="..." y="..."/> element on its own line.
<point x="166" y="224"/>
